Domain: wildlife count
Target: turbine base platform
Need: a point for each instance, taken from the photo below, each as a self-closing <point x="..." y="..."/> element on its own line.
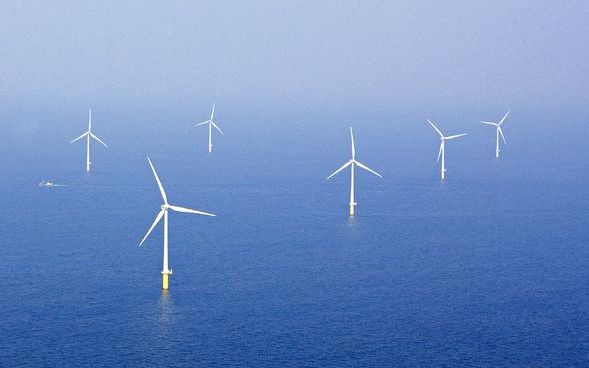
<point x="165" y="279"/>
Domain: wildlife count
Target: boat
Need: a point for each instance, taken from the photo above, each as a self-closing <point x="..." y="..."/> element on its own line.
<point x="46" y="183"/>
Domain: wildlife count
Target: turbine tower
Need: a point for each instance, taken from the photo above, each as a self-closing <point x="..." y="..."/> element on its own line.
<point x="211" y="123"/>
<point x="352" y="162"/>
<point x="88" y="134"/>
<point x="442" y="150"/>
<point x="164" y="213"/>
<point x="498" y="132"/>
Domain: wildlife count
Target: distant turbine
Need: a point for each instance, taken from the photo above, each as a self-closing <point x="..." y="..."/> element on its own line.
<point x="498" y="132"/>
<point x="211" y="123"/>
<point x="164" y="212"/>
<point x="89" y="134"/>
<point x="443" y="140"/>
<point x="352" y="162"/>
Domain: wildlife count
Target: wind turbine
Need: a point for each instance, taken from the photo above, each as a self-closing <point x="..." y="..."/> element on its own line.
<point x="352" y="162"/>
<point x="211" y="123"/>
<point x="498" y="132"/>
<point x="164" y="213"/>
<point x="443" y="140"/>
<point x="89" y="134"/>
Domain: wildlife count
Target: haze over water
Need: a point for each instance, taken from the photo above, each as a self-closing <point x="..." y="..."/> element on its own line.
<point x="488" y="268"/>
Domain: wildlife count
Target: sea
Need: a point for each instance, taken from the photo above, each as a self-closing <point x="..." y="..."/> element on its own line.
<point x="488" y="268"/>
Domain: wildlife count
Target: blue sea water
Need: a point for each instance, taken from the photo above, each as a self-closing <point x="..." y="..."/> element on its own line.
<point x="488" y="268"/>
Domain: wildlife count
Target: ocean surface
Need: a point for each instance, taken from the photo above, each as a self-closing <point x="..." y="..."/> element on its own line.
<point x="488" y="268"/>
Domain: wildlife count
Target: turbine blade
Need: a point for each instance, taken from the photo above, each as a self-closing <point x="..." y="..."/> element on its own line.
<point x="157" y="219"/>
<point x="436" y="128"/>
<point x="213" y="112"/>
<point x="367" y="168"/>
<point x="489" y="123"/>
<point x="203" y="123"/>
<point x="98" y="139"/>
<point x="159" y="183"/>
<point x="188" y="210"/>
<point x="353" y="145"/>
<point x="440" y="151"/>
<point x="216" y="127"/>
<point x="80" y="137"/>
<point x="501" y="132"/>
<point x="454" y="136"/>
<point x="89" y="120"/>
<point x="505" y="117"/>
<point x="340" y="169"/>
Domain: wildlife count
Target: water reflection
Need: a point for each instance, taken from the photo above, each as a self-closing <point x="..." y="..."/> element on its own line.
<point x="351" y="220"/>
<point x="166" y="311"/>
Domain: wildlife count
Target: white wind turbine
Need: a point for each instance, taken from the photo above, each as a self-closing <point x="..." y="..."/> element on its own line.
<point x="352" y="162"/>
<point x="211" y="123"/>
<point x="443" y="140"/>
<point x="164" y="213"/>
<point x="89" y="134"/>
<point x="498" y="132"/>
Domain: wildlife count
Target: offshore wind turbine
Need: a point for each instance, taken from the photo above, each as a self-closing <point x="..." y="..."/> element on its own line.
<point x="211" y="124"/>
<point x="498" y="132"/>
<point x="164" y="213"/>
<point x="88" y="134"/>
<point x="352" y="163"/>
<point x="442" y="150"/>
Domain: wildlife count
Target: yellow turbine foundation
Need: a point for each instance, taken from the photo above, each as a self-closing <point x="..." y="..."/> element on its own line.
<point x="352" y="210"/>
<point x="165" y="280"/>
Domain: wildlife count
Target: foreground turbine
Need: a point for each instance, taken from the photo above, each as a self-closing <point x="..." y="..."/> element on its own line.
<point x="164" y="213"/>
<point x="211" y="123"/>
<point x="442" y="151"/>
<point x="89" y="134"/>
<point x="498" y="132"/>
<point x="352" y="162"/>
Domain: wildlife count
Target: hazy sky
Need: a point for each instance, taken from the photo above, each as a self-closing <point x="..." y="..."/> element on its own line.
<point x="295" y="54"/>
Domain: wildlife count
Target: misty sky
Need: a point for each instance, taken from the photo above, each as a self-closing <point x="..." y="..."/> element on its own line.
<point x="362" y="54"/>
